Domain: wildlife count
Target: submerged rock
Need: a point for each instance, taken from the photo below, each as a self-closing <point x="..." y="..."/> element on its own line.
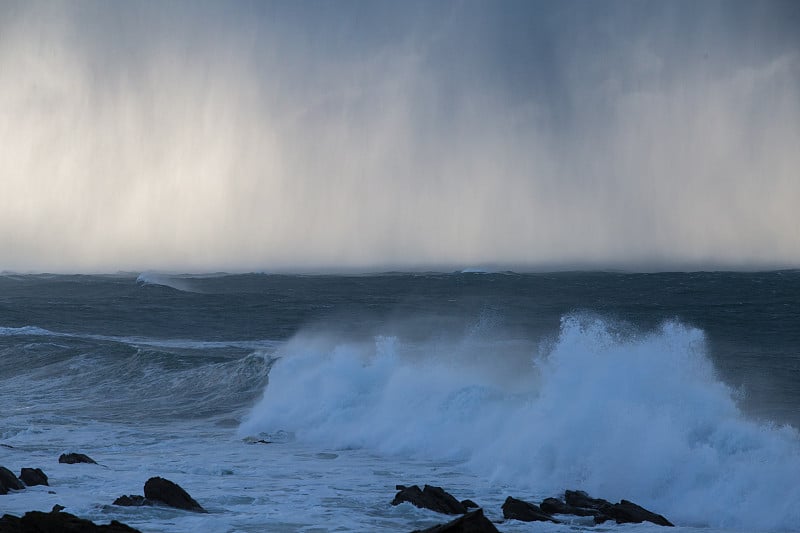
<point x="33" y="476"/>
<point x="526" y="512"/>
<point x="133" y="500"/>
<point x="433" y="498"/>
<point x="472" y="522"/>
<point x="8" y="481"/>
<point x="626" y="512"/>
<point x="169" y="493"/>
<point x="58" y="522"/>
<point x="74" y="458"/>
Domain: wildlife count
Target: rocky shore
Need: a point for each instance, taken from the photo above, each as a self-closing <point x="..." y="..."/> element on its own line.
<point x="159" y="491"/>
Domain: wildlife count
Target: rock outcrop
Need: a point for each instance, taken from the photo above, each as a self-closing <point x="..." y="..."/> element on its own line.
<point x="33" y="476"/>
<point x="74" y="458"/>
<point x="133" y="500"/>
<point x="58" y="522"/>
<point x="472" y="522"/>
<point x="556" y="506"/>
<point x="165" y="491"/>
<point x="433" y="498"/>
<point x="527" y="512"/>
<point x="626" y="512"/>
<point x="8" y="481"/>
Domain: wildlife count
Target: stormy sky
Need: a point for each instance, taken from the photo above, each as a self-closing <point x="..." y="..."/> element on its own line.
<point x="359" y="135"/>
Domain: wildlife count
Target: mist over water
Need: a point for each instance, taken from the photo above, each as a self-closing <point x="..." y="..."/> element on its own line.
<point x="206" y="136"/>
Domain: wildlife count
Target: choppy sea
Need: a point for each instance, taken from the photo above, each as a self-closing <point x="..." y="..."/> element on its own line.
<point x="678" y="391"/>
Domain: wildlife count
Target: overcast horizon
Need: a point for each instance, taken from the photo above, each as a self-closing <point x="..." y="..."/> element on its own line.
<point x="374" y="136"/>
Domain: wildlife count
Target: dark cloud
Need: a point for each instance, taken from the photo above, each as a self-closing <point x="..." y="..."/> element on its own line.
<point x="239" y="135"/>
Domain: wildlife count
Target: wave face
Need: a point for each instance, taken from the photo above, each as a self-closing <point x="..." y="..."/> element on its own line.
<point x="601" y="407"/>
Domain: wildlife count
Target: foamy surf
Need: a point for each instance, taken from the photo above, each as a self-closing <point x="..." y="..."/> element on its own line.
<point x="621" y="414"/>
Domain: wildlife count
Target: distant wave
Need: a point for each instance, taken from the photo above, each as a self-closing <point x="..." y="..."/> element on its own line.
<point x="619" y="414"/>
<point x="165" y="280"/>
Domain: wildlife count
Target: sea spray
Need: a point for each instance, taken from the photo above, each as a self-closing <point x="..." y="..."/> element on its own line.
<point x="620" y="413"/>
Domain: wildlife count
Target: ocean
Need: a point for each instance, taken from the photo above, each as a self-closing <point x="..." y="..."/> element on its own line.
<point x="298" y="402"/>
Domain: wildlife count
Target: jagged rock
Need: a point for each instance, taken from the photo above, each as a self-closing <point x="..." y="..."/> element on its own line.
<point x="33" y="476"/>
<point x="629" y="512"/>
<point x="472" y="522"/>
<point x="524" y="511"/>
<point x="169" y="493"/>
<point x="8" y="481"/>
<point x="433" y="498"/>
<point x="73" y="458"/>
<point x="58" y="522"/>
<point x="133" y="500"/>
<point x="578" y="498"/>
<point x="556" y="506"/>
<point x="469" y="504"/>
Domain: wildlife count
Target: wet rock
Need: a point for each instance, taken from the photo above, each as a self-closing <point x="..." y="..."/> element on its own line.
<point x="578" y="498"/>
<point x="74" y="458"/>
<point x="8" y="481"/>
<point x="526" y="512"/>
<point x="9" y="524"/>
<point x="556" y="506"/>
<point x="430" y="497"/>
<point x="33" y="476"/>
<point x="133" y="500"/>
<point x="628" y="512"/>
<point x="169" y="493"/>
<point x="472" y="522"/>
<point x="469" y="504"/>
<point x="58" y="522"/>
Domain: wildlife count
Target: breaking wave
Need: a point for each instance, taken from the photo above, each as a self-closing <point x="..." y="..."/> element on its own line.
<point x="616" y="412"/>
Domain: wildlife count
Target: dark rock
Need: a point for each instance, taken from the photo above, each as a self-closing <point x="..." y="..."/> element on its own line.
<point x="469" y="504"/>
<point x="578" y="498"/>
<point x="57" y="522"/>
<point x="433" y="498"/>
<point x="628" y="512"/>
<point x="169" y="493"/>
<point x="9" y="524"/>
<point x="33" y="476"/>
<point x="524" y="511"/>
<point x="132" y="501"/>
<point x="556" y="506"/>
<point x="8" y="481"/>
<point x="56" y="508"/>
<point x="472" y="522"/>
<point x="73" y="458"/>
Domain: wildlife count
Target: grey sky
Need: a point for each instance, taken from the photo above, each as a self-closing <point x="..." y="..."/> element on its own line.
<point x="371" y="135"/>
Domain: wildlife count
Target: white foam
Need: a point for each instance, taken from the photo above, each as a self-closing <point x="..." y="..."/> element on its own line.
<point x="622" y="415"/>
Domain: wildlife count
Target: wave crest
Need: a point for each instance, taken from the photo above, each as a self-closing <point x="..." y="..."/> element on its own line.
<point x="618" y="413"/>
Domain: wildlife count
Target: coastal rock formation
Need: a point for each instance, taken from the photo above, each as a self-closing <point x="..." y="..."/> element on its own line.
<point x="556" y="506"/>
<point x="169" y="493"/>
<point x="74" y="458"/>
<point x="33" y="476"/>
<point x="527" y="512"/>
<point x="58" y="522"/>
<point x="8" y="481"/>
<point x="578" y="498"/>
<point x="469" y="504"/>
<point x="628" y="512"/>
<point x="581" y="504"/>
<point x="433" y="498"/>
<point x="133" y="500"/>
<point x="472" y="522"/>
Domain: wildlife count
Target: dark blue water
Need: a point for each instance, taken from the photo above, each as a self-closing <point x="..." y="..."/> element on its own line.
<point x="751" y="320"/>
